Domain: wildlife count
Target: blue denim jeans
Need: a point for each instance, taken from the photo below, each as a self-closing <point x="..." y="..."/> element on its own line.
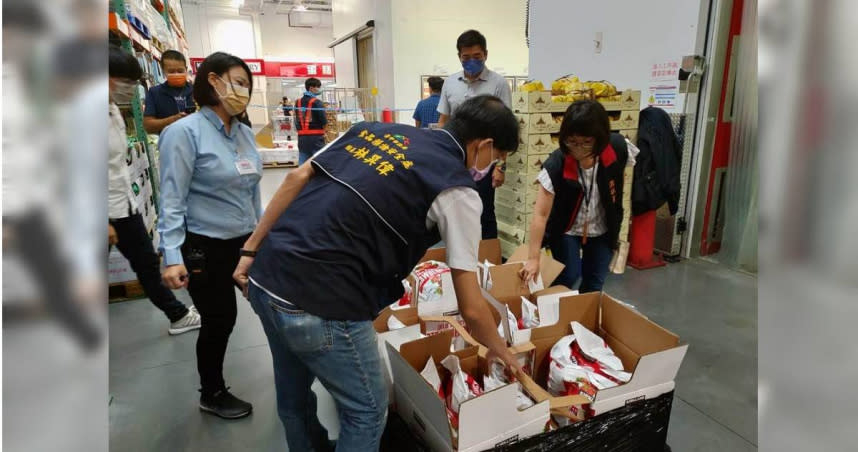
<point x="592" y="268"/>
<point x="343" y="355"/>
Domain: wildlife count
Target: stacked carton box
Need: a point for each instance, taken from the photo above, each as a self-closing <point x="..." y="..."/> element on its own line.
<point x="539" y="119"/>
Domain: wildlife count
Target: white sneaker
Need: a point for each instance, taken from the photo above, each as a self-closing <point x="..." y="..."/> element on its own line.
<point x="191" y="321"/>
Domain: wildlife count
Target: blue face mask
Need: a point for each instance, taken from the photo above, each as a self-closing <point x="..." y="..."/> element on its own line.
<point x="473" y="66"/>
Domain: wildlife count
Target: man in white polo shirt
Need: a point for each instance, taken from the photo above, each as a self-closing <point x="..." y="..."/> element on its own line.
<point x="473" y="81"/>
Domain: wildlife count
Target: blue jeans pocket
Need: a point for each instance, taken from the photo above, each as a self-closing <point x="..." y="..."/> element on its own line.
<point x="301" y="331"/>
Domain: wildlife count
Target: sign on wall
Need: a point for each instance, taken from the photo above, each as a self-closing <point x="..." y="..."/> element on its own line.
<point x="257" y="67"/>
<point x="664" y="85"/>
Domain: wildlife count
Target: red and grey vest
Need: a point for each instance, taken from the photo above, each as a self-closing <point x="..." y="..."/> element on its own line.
<point x="359" y="225"/>
<point x="304" y="117"/>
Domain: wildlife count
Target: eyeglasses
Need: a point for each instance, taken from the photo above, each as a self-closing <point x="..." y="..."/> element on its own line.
<point x="582" y="145"/>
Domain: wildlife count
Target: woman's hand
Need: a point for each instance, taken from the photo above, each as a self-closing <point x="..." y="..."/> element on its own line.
<point x="240" y="275"/>
<point x="507" y="358"/>
<point x="530" y="271"/>
<point x="175" y="276"/>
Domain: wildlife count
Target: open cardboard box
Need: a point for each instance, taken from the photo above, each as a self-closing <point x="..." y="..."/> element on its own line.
<point x="651" y="353"/>
<point x="487" y="421"/>
<point x="507" y="289"/>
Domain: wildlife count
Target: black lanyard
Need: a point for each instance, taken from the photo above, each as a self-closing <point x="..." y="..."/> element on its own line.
<point x="588" y="192"/>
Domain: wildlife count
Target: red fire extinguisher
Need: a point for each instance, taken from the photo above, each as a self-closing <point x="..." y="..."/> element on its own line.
<point x="387" y="115"/>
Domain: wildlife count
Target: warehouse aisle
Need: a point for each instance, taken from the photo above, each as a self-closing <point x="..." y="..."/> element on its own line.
<point x="154" y="384"/>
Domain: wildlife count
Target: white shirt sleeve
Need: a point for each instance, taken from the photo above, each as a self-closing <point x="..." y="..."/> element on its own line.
<point x="456" y="212"/>
<point x="545" y="180"/>
<point x="443" y="103"/>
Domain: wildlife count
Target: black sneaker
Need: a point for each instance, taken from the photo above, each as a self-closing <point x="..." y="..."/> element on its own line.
<point x="225" y="405"/>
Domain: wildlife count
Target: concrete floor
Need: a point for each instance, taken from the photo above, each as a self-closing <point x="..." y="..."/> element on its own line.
<point x="154" y="383"/>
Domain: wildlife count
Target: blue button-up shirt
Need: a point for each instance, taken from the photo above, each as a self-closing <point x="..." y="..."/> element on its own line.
<point x="163" y="101"/>
<point x="201" y="188"/>
<point x="427" y="111"/>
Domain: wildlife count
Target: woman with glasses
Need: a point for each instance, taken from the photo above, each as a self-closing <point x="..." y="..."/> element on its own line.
<point x="579" y="207"/>
<point x="210" y="203"/>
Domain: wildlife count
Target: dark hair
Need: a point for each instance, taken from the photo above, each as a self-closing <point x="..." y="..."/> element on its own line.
<point x="312" y="82"/>
<point x="219" y="63"/>
<point x="122" y="64"/>
<point x="484" y="117"/>
<point x="23" y="14"/>
<point x="435" y="84"/>
<point x="174" y="55"/>
<point x="586" y="118"/>
<point x="471" y="38"/>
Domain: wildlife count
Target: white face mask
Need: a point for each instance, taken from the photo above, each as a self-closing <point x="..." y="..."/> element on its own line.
<point x="479" y="174"/>
<point x="236" y="99"/>
<point x="123" y="92"/>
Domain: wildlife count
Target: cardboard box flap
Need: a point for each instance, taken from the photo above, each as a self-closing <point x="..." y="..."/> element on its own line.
<point x="490" y="250"/>
<point x="583" y="309"/>
<point x="540" y="395"/>
<point x="408" y="316"/>
<point x="653" y="369"/>
<point x="506" y="283"/>
<point x="549" y="268"/>
<point x="473" y="429"/>
<point x="416" y="353"/>
<point x="408" y="381"/>
<point x="633" y="329"/>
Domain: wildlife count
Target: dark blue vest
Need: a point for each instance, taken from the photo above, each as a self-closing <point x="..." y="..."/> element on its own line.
<point x="359" y="226"/>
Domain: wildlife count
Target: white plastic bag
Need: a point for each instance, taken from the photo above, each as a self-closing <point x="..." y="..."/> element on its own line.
<point x="460" y="388"/>
<point x="529" y="314"/>
<point x="430" y="374"/>
<point x="394" y="324"/>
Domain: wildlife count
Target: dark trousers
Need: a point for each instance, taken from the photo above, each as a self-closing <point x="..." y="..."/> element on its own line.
<point x="136" y="245"/>
<point x="213" y="292"/>
<point x="487" y="195"/>
<point x="308" y="145"/>
<point x="592" y="268"/>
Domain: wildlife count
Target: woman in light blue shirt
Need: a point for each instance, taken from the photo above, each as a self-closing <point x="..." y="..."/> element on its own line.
<point x="210" y="203"/>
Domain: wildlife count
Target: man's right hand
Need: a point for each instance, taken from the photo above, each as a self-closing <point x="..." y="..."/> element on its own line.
<point x="176" y="276"/>
<point x="112" y="237"/>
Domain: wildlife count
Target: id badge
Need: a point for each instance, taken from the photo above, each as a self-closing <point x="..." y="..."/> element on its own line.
<point x="245" y="167"/>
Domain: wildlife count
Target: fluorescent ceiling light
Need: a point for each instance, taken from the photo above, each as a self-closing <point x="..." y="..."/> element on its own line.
<point x="238" y="3"/>
<point x="300" y="8"/>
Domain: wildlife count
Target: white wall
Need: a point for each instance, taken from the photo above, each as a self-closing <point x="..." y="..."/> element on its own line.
<point x="636" y="34"/>
<point x="349" y="15"/>
<point x="284" y="43"/>
<point x="424" y="41"/>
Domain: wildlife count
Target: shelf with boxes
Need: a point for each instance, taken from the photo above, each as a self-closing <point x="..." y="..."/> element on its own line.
<point x="540" y="116"/>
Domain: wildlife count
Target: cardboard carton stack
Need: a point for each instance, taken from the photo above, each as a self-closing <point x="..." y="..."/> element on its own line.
<point x="539" y="117"/>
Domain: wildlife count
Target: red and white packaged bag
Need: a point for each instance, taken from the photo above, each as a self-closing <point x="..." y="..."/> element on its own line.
<point x="405" y="300"/>
<point x="514" y="323"/>
<point x="427" y="276"/>
<point x="459" y="388"/>
<point x="497" y="377"/>
<point x="529" y="314"/>
<point x="572" y="371"/>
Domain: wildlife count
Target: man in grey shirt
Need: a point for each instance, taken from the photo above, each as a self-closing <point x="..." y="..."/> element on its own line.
<point x="473" y="81"/>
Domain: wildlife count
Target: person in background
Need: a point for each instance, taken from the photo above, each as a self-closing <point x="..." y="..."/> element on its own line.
<point x="318" y="273"/>
<point x="126" y="229"/>
<point x="172" y="100"/>
<point x="210" y="203"/>
<point x="287" y="106"/>
<point x="579" y="208"/>
<point x="426" y="112"/>
<point x="310" y="120"/>
<point x="476" y="79"/>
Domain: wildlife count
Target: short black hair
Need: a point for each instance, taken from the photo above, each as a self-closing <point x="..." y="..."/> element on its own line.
<point x="482" y="117"/>
<point x="174" y="55"/>
<point x="471" y="38"/>
<point x="220" y="63"/>
<point x="435" y="84"/>
<point x="122" y="64"/>
<point x="312" y="82"/>
<point x="586" y="118"/>
<point x="24" y="14"/>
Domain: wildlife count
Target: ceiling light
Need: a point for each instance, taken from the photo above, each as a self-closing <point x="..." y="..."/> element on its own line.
<point x="237" y="3"/>
<point x="300" y="8"/>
